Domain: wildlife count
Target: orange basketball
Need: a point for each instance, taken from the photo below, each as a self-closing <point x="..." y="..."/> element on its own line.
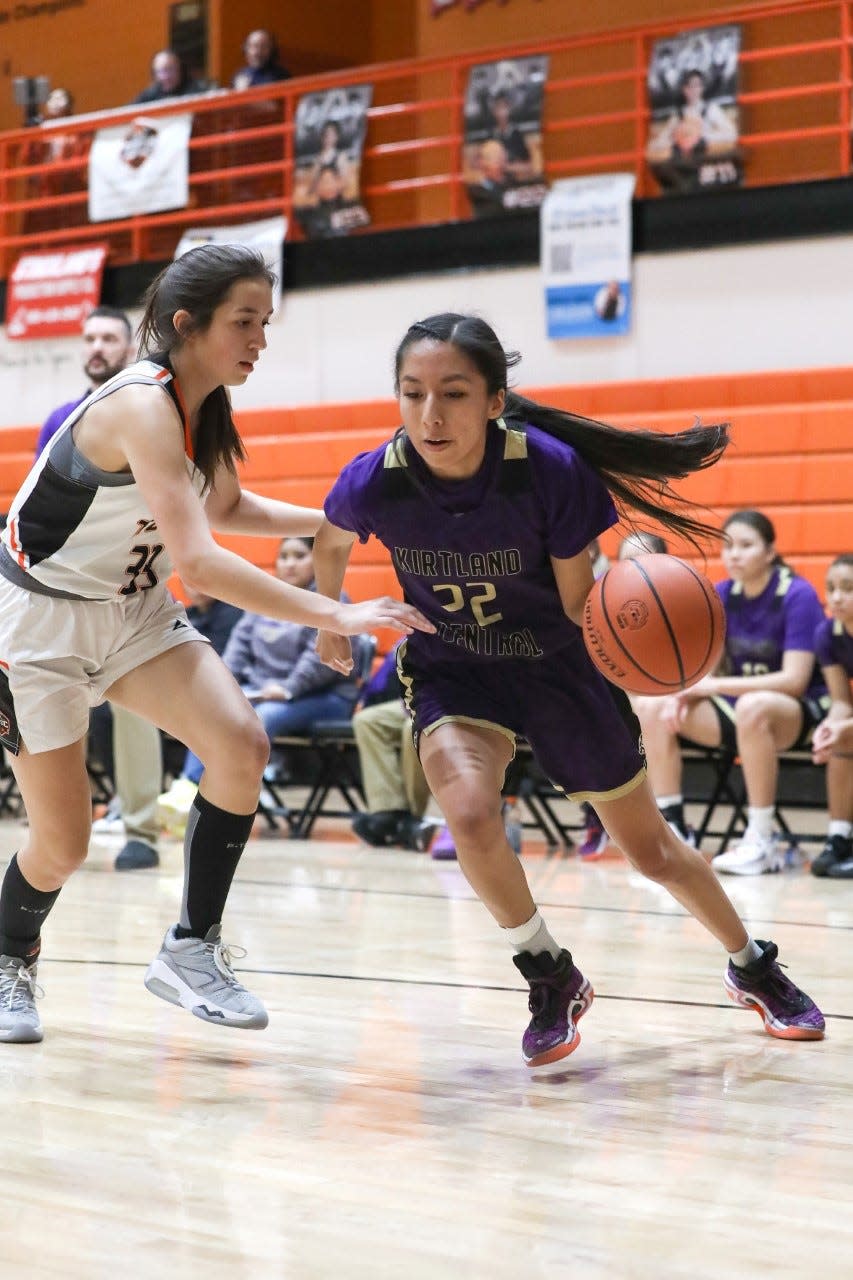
<point x="654" y="625"/>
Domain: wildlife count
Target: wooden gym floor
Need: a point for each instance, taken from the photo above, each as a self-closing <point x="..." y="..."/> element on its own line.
<point x="384" y="1125"/>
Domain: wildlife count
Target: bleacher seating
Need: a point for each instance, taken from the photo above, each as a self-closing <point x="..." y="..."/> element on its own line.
<point x="791" y="456"/>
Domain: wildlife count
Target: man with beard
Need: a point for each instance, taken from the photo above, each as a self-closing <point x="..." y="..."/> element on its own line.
<point x="109" y="347"/>
<point x="128" y="747"/>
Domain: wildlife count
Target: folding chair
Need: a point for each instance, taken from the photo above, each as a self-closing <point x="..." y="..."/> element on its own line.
<point x="329" y="751"/>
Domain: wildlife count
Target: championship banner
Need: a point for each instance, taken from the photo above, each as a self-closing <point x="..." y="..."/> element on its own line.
<point x="502" y="161"/>
<point x="266" y="235"/>
<point x="695" y="122"/>
<point x="51" y="294"/>
<point x="586" y="256"/>
<point x="330" y="132"/>
<point x="140" y="167"/>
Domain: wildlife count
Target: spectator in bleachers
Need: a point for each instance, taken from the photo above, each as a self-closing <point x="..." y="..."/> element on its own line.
<point x="215" y="620"/>
<point x="394" y="784"/>
<point x="169" y="79"/>
<point x="51" y="146"/>
<point x="262" y="61"/>
<point x="276" y="666"/>
<point x="641" y="543"/>
<point x="108" y="347"/>
<point x="832" y="743"/>
<point x="767" y="698"/>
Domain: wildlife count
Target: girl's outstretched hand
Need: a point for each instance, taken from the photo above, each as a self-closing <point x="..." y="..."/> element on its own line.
<point x="353" y="619"/>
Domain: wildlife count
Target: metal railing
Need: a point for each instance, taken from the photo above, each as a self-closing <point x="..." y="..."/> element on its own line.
<point x="795" y="116"/>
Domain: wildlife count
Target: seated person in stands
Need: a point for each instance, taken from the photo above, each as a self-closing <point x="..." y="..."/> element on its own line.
<point x="169" y="79"/>
<point x="768" y="696"/>
<point x="832" y="743"/>
<point x="276" y="665"/>
<point x="641" y="543"/>
<point x="262" y="65"/>
<point x="394" y="784"/>
<point x="214" y="619"/>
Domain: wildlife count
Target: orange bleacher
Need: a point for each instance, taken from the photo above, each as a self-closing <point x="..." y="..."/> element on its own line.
<point x="791" y="456"/>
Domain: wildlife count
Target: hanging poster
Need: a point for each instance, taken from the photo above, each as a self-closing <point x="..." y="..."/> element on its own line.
<point x="140" y="167"/>
<point x="329" y="140"/>
<point x="502" y="162"/>
<point x="586" y="256"/>
<point x="693" y="85"/>
<point x="266" y="235"/>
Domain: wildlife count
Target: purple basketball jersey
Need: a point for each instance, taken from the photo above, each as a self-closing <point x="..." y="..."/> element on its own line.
<point x="761" y="629"/>
<point x="474" y="555"/>
<point x="834" y="645"/>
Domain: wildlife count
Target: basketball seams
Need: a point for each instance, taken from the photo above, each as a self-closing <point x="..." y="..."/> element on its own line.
<point x="614" y="634"/>
<point x="667" y="623"/>
<point x="681" y="624"/>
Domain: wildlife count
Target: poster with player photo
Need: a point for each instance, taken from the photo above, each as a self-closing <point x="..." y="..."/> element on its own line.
<point x="330" y="132"/>
<point x="692" y="86"/>
<point x="502" y="160"/>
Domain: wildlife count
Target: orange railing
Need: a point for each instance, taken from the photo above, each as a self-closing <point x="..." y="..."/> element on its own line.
<point x="795" y="78"/>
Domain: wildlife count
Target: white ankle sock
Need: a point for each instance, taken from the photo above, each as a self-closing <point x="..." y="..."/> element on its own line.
<point x="668" y="802"/>
<point x="839" y="828"/>
<point x="759" y="822"/>
<point x="533" y="936"/>
<point x="747" y="954"/>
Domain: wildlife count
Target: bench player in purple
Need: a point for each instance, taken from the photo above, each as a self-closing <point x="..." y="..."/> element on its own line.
<point x="832" y="743"/>
<point x="767" y="697"/>
<point x="487" y="503"/>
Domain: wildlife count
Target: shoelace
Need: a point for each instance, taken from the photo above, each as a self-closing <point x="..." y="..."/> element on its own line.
<point x="223" y="956"/>
<point x="539" y="1002"/>
<point x="18" y="989"/>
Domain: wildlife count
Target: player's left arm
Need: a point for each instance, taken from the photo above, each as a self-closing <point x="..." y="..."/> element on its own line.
<point x="233" y="509"/>
<point x="574" y="582"/>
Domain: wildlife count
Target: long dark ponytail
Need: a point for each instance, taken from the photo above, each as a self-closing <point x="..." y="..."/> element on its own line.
<point x="198" y="282"/>
<point x="635" y="465"/>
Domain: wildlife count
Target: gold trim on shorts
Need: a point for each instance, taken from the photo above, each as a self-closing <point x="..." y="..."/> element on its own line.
<point x="616" y="794"/>
<point x="478" y="724"/>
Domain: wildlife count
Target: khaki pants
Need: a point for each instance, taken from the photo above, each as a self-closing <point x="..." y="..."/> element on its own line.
<point x="390" y="768"/>
<point x="138" y="764"/>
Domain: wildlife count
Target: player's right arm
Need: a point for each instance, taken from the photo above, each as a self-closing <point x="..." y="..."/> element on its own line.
<point x="149" y="435"/>
<point x="332" y="548"/>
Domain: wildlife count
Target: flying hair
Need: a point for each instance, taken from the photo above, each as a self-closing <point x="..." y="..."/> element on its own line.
<point x="635" y="465"/>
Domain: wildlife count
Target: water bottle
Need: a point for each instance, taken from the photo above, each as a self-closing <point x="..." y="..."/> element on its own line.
<point x="512" y="823"/>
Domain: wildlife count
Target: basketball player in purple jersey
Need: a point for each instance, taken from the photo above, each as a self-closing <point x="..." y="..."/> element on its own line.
<point x="130" y="486"/>
<point x="832" y="743"/>
<point x="768" y="699"/>
<point x="487" y="503"/>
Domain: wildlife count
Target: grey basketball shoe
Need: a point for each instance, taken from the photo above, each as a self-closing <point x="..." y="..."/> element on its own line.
<point x="19" y="1021"/>
<point x="196" y="974"/>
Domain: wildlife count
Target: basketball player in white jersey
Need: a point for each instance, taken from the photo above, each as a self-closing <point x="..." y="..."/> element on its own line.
<point x="126" y="492"/>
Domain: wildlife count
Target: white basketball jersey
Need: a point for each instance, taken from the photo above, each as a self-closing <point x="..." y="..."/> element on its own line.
<point x="74" y="530"/>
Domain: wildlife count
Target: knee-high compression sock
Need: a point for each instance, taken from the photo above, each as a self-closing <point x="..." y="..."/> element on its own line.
<point x="213" y="843"/>
<point x="22" y="912"/>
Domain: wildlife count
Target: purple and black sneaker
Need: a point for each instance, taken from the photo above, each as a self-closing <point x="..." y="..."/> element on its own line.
<point x="559" y="996"/>
<point x="787" y="1011"/>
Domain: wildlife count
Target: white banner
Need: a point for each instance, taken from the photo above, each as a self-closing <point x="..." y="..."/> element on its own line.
<point x="266" y="235"/>
<point x="586" y="256"/>
<point x="140" y="167"/>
